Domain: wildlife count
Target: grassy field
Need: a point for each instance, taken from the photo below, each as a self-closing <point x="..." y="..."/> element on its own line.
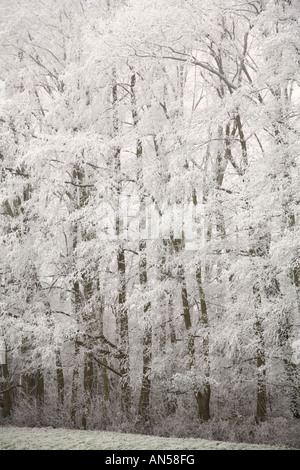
<point x="14" y="438"/>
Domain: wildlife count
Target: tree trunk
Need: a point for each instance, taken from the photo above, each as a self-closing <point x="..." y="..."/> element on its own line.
<point x="7" y="394"/>
<point x="105" y="383"/>
<point x="144" y="401"/>
<point x="261" y="394"/>
<point x="122" y="314"/>
<point x="203" y="396"/>
<point x="75" y="379"/>
<point x="59" y="378"/>
<point x="88" y="385"/>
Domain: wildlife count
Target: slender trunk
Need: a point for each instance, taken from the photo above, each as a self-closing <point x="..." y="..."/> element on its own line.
<point x="59" y="378"/>
<point x="88" y="385"/>
<point x="177" y="243"/>
<point x="105" y="380"/>
<point x="123" y="331"/>
<point x="40" y="385"/>
<point x="75" y="378"/>
<point x="203" y="396"/>
<point x="40" y="390"/>
<point x="105" y="383"/>
<point x="261" y="394"/>
<point x="293" y="382"/>
<point x="7" y="398"/>
<point x="122" y="314"/>
<point x="144" y="401"/>
<point x="289" y="221"/>
<point x="88" y="375"/>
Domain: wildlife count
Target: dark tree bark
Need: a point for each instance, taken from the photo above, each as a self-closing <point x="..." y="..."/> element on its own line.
<point x="5" y="385"/>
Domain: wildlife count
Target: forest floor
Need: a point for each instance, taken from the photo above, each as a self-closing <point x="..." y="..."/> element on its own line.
<point x="15" y="438"/>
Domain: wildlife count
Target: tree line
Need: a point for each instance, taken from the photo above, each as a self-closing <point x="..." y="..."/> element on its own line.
<point x="173" y="105"/>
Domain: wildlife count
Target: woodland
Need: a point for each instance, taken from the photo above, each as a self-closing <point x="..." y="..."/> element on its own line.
<point x="149" y="215"/>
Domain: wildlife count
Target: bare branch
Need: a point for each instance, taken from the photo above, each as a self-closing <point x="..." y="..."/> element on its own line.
<point x="80" y="185"/>
<point x="10" y="388"/>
